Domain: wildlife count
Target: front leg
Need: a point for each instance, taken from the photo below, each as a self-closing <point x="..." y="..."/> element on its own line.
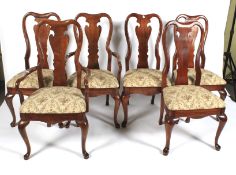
<point x="8" y="99"/>
<point x="125" y="100"/>
<point x="84" y="129"/>
<point x="222" y="122"/>
<point x="169" y="124"/>
<point x="116" y="109"/>
<point x="21" y="127"/>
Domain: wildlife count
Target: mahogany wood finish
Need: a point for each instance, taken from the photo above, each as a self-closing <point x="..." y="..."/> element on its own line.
<point x="11" y="92"/>
<point x="143" y="31"/>
<point x="92" y="32"/>
<point x="59" y="41"/>
<point x="184" y="41"/>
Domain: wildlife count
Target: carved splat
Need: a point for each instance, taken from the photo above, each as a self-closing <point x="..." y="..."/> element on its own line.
<point x="43" y="37"/>
<point x="93" y="31"/>
<point x="59" y="42"/>
<point x="38" y="17"/>
<point x="143" y="31"/>
<point x="185" y="41"/>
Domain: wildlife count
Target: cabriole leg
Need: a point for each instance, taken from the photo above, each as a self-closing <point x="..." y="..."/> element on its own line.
<point x="222" y="121"/>
<point x="22" y="125"/>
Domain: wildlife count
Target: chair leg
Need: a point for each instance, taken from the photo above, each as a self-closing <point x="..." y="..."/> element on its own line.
<point x="222" y="121"/>
<point x="161" y="111"/>
<point x="169" y="124"/>
<point x="8" y="99"/>
<point x="187" y="120"/>
<point x="223" y="94"/>
<point x="107" y="100"/>
<point x="125" y="100"/>
<point x="84" y="129"/>
<point x="21" y="127"/>
<point x="116" y="109"/>
<point x="153" y="100"/>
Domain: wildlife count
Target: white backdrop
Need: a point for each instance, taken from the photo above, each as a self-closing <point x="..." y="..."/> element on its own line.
<point x="12" y="11"/>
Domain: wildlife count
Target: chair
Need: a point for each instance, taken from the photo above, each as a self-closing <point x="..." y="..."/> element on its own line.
<point x="30" y="83"/>
<point x="209" y="80"/>
<point x="100" y="82"/>
<point x="142" y="80"/>
<point x="183" y="99"/>
<point x="58" y="103"/>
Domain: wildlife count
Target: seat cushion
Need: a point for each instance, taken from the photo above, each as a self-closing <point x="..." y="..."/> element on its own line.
<point x="98" y="79"/>
<point x="143" y="78"/>
<point x="31" y="81"/>
<point x="190" y="97"/>
<point x="207" y="77"/>
<point x="54" y="100"/>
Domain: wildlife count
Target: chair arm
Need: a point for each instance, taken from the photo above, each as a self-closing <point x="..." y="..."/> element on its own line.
<point x="86" y="88"/>
<point x="117" y="56"/>
<point x="18" y="81"/>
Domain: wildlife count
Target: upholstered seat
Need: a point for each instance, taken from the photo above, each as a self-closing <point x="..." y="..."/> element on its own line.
<point x="97" y="79"/>
<point x="55" y="100"/>
<point x="143" y="78"/>
<point x="190" y="97"/>
<point x="207" y="77"/>
<point x="31" y="81"/>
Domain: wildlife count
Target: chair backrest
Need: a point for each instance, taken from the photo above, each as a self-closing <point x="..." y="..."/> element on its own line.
<point x="184" y="40"/>
<point x="199" y="18"/>
<point x="143" y="32"/>
<point x="59" y="40"/>
<point x="43" y="34"/>
<point x="93" y="31"/>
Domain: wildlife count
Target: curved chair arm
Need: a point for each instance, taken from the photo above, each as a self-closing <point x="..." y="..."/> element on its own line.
<point x="117" y="56"/>
<point x="18" y="81"/>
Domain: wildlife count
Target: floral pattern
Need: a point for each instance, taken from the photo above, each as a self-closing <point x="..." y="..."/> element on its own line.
<point x="143" y="78"/>
<point x="31" y="81"/>
<point x="207" y="77"/>
<point x="190" y="97"/>
<point x="97" y="79"/>
<point x="54" y="100"/>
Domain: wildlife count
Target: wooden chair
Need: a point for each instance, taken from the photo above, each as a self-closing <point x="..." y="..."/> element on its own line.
<point x="142" y="80"/>
<point x="209" y="80"/>
<point x="58" y="103"/>
<point x="100" y="82"/>
<point x="182" y="99"/>
<point x="30" y="83"/>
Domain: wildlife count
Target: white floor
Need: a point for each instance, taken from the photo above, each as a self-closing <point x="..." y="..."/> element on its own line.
<point x="134" y="150"/>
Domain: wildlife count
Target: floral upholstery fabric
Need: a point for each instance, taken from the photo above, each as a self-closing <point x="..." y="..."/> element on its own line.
<point x="207" y="77"/>
<point x="143" y="78"/>
<point x="190" y="97"/>
<point x="97" y="79"/>
<point x="55" y="100"/>
<point x="31" y="81"/>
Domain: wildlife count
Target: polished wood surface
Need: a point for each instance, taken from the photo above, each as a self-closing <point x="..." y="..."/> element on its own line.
<point x="58" y="41"/>
<point x="143" y="31"/>
<point x="183" y="38"/>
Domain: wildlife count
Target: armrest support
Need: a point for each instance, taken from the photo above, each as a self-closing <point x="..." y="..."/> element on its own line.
<point x="86" y="88"/>
<point x="29" y="71"/>
<point x="116" y="55"/>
